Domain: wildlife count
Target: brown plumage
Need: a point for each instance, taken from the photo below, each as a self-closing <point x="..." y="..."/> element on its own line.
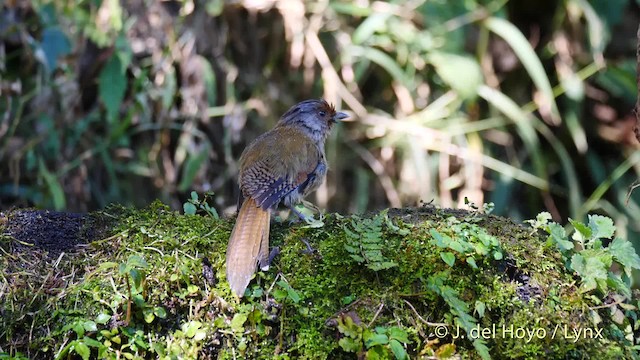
<point x="284" y="164"/>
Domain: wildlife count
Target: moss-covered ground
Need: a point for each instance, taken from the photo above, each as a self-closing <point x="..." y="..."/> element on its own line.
<point x="410" y="283"/>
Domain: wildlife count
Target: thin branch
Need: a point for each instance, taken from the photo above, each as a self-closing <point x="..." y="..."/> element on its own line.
<point x="320" y="54"/>
<point x="422" y="319"/>
<point x="607" y="305"/>
<point x="376" y="314"/>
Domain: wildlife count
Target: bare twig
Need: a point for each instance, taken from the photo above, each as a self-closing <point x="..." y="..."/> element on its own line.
<point x="376" y="314"/>
<point x="421" y="318"/>
<point x="607" y="305"/>
<point x="320" y="54"/>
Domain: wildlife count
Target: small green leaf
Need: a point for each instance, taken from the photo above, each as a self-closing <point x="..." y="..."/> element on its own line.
<point x="237" y="322"/>
<point x="211" y="211"/>
<point x="137" y="261"/>
<point x="138" y="299"/>
<point x="350" y="345"/>
<point x="103" y="318"/>
<point x="583" y="232"/>
<point x="313" y="223"/>
<point x="472" y="262"/>
<point x="398" y="350"/>
<point x="160" y="312"/>
<point x="107" y="265"/>
<point x="447" y="351"/>
<point x="577" y="263"/>
<point x="348" y="299"/>
<point x="148" y="314"/>
<point x="291" y="293"/>
<point x="377" y="22"/>
<point x="559" y="237"/>
<point x="616" y="282"/>
<point x="189" y="208"/>
<point x="481" y="249"/>
<point x="591" y="269"/>
<point x="457" y="246"/>
<point x="82" y="349"/>
<point x="448" y="258"/>
<point x="624" y="253"/>
<point x="242" y="346"/>
<point x="398" y="334"/>
<point x="440" y="240"/>
<point x="92" y="342"/>
<point x="372" y="339"/>
<point x="78" y="328"/>
<point x="89" y="325"/>
<point x="601" y="226"/>
<point x="481" y="347"/>
<point x="136" y="276"/>
<point x="192" y="327"/>
<point x="279" y="294"/>
<point x="480" y="308"/>
<point x="497" y="255"/>
<point x="200" y="335"/>
<point x="194" y="196"/>
<point x="540" y="221"/>
<point x="376" y="353"/>
<point x="349" y="328"/>
<point x="257" y="292"/>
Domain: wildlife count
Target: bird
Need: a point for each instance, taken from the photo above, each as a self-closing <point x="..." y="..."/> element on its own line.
<point x="283" y="165"/>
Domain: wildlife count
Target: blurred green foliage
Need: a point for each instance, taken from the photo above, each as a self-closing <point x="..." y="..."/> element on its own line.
<point x="527" y="105"/>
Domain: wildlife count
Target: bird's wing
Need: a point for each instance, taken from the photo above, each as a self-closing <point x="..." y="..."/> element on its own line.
<point x="286" y="161"/>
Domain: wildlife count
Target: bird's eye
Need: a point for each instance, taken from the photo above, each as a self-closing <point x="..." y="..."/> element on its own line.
<point x="322" y="113"/>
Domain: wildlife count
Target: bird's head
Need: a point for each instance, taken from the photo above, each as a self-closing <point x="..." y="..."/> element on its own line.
<point x="315" y="116"/>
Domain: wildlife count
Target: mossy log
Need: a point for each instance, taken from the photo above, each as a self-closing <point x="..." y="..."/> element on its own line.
<point x="403" y="283"/>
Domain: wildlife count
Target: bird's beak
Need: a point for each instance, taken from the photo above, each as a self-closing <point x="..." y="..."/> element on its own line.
<point x="339" y="116"/>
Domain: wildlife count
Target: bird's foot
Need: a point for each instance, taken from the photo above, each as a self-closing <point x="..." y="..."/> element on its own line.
<point x="300" y="214"/>
<point x="309" y="249"/>
<point x="307" y="216"/>
<point x="314" y="223"/>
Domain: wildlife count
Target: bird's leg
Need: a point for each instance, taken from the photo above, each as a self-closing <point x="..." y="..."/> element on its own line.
<point x="265" y="263"/>
<point x="309" y="249"/>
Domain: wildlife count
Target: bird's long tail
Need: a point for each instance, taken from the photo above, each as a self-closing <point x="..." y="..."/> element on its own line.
<point x="248" y="244"/>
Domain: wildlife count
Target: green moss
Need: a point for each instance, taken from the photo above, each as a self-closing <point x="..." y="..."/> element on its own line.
<point x="371" y="286"/>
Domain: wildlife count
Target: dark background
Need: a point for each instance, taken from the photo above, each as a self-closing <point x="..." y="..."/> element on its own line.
<point x="524" y="104"/>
